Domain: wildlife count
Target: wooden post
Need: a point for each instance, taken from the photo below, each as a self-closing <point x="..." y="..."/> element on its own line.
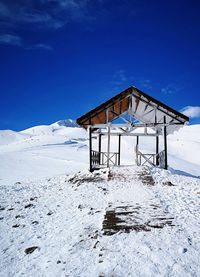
<point x="100" y="148"/>
<point x="137" y="145"/>
<point x="165" y="142"/>
<point x="157" y="148"/>
<point x="108" y="149"/>
<point x="119" y="149"/>
<point x="157" y="141"/>
<point x="90" y="148"/>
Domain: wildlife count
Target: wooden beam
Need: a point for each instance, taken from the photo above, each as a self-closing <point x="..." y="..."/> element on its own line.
<point x="137" y="150"/>
<point x="148" y="112"/>
<point x="108" y="149"/>
<point x="155" y="105"/>
<point x="132" y="134"/>
<point x="157" y="149"/>
<point x="120" y="116"/>
<point x="137" y="101"/>
<point x="90" y="149"/>
<point x="100" y="135"/>
<point x="157" y="141"/>
<point x="151" y="125"/>
<point x="119" y="150"/>
<point x="146" y="106"/>
<point x="165" y="143"/>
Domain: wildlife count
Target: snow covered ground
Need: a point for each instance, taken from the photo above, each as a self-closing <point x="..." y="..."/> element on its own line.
<point x="42" y="151"/>
<point x="49" y="150"/>
<point x="57" y="219"/>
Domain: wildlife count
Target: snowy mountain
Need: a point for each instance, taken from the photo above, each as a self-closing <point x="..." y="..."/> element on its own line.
<point x="9" y="136"/>
<point x="67" y="123"/>
<point x="52" y="149"/>
<point x="60" y="220"/>
<point x="42" y="151"/>
<point x="51" y="129"/>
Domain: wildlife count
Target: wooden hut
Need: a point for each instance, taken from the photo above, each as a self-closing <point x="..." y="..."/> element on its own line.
<point x="126" y="114"/>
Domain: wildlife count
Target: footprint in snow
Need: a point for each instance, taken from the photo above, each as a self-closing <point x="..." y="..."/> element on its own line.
<point x="15" y="226"/>
<point x="33" y="198"/>
<point x="30" y="250"/>
<point x="190" y="241"/>
<point x="29" y="206"/>
<point x="50" y="213"/>
<point x="182" y="250"/>
<point x="35" y="222"/>
<point x="19" y="216"/>
<point x="18" y="225"/>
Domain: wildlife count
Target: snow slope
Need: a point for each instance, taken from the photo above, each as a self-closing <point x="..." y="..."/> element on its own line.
<point x="62" y="218"/>
<point x="9" y="136"/>
<point x="42" y="151"/>
<point x="184" y="149"/>
<point x="53" y="212"/>
<point x="49" y="150"/>
<point x="55" y="128"/>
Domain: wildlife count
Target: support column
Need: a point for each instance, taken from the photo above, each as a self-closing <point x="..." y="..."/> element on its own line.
<point x="119" y="150"/>
<point x="100" y="135"/>
<point x="137" y="143"/>
<point x="136" y="148"/>
<point x="157" y="140"/>
<point x="165" y="142"/>
<point x="108" y="149"/>
<point x="157" y="148"/>
<point x="90" y="149"/>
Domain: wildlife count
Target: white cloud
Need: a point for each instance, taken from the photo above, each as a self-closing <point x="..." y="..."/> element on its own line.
<point x="45" y="14"/>
<point x="119" y="77"/>
<point x="40" y="46"/>
<point x="145" y="83"/>
<point x="191" y="111"/>
<point x="13" y="40"/>
<point x="171" y="88"/>
<point x="10" y="39"/>
<point x="48" y="14"/>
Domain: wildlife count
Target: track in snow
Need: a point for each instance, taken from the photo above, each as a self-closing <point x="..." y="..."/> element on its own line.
<point x="126" y="217"/>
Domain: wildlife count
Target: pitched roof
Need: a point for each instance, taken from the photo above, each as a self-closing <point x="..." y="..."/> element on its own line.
<point x="140" y="105"/>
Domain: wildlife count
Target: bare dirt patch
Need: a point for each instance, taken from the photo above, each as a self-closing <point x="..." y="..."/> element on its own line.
<point x="80" y="178"/>
<point x="135" y="218"/>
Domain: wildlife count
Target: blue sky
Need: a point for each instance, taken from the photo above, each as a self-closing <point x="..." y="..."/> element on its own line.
<point x="61" y="58"/>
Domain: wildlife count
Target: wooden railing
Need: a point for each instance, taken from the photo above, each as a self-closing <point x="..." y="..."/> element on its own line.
<point x="95" y="158"/>
<point x="142" y="159"/>
<point x="113" y="158"/>
<point x="99" y="159"/>
<point x="102" y="158"/>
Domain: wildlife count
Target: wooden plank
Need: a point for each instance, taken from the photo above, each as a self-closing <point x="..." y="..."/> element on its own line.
<point x="119" y="149"/>
<point x="108" y="149"/>
<point x="165" y="143"/>
<point x="90" y="149"/>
